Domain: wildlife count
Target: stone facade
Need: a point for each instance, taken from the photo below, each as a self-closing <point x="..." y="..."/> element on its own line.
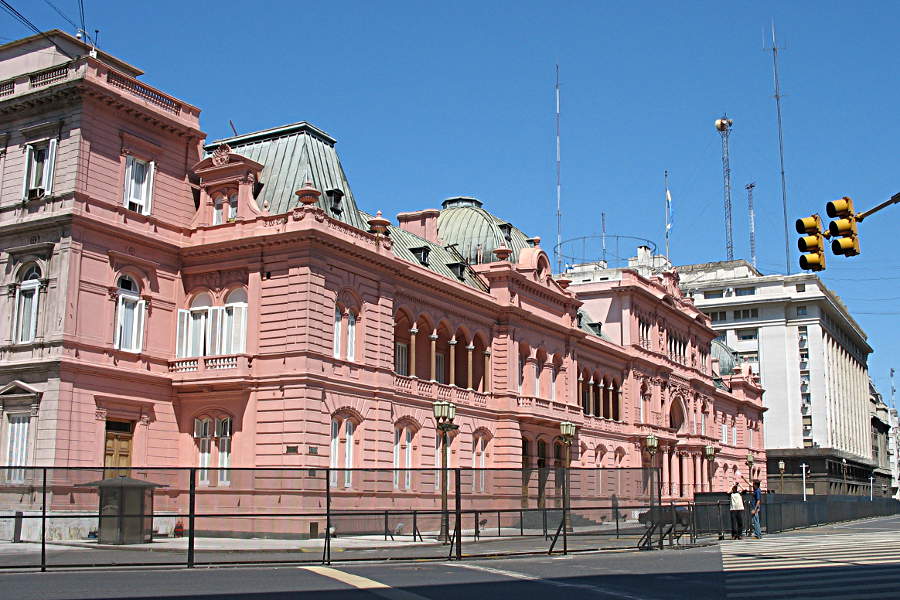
<point x="198" y="307"/>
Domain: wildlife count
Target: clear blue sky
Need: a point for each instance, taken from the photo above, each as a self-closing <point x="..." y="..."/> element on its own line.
<point x="429" y="100"/>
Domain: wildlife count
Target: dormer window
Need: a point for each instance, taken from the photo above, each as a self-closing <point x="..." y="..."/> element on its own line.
<point x="459" y="269"/>
<point x="421" y="253"/>
<point x="506" y="230"/>
<point x="596" y="327"/>
<point x="336" y="196"/>
<point x="225" y="208"/>
<point x="139" y="176"/>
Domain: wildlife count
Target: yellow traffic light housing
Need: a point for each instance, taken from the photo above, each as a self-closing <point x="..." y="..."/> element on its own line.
<point x="812" y="244"/>
<point x="843" y="227"/>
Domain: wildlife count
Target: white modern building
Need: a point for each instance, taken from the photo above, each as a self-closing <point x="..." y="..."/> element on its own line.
<point x="894" y="452"/>
<point x="812" y="360"/>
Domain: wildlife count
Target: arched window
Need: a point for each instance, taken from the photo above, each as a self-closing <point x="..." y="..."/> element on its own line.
<point x="479" y="462"/>
<point x="438" y="444"/>
<point x="212" y="435"/>
<point x="27" y="300"/>
<point x="342" y="431"/>
<point x="207" y="330"/>
<point x="234" y="325"/>
<point x="349" y="429"/>
<point x="224" y="208"/>
<point x="335" y="451"/>
<point x="129" y="334"/>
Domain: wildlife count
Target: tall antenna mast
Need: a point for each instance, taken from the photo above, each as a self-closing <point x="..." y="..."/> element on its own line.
<point x="668" y="215"/>
<point x="787" y="248"/>
<point x="558" y="187"/>
<point x="603" y="235"/>
<point x="723" y="126"/>
<point x="749" y="187"/>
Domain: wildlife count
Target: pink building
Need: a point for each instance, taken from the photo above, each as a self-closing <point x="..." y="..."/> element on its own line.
<point x="171" y="303"/>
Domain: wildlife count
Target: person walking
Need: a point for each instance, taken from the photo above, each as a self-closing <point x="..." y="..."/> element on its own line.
<point x="755" y="508"/>
<point x="737" y="513"/>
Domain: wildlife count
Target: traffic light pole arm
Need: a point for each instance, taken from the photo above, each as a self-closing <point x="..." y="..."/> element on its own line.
<point x="893" y="200"/>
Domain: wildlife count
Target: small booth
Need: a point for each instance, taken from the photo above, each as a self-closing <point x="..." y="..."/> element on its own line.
<point x="126" y="510"/>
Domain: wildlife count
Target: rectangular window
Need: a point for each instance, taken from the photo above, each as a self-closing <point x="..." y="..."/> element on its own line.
<point x="16" y="446"/>
<point x="703" y="423"/>
<point x="801" y="287"/>
<point x="351" y="336"/>
<point x="234" y="329"/>
<point x="724" y="433"/>
<point x="734" y="435"/>
<point x="401" y="358"/>
<point x="745" y="291"/>
<point x="713" y="294"/>
<point x="223" y="432"/>
<point x="27" y="296"/>
<point x="336" y="345"/>
<point x="349" y="428"/>
<point x="139" y="175"/>
<point x="333" y="459"/>
<point x="747" y="334"/>
<point x="718" y="315"/>
<point x="398" y="435"/>
<point x="40" y="161"/>
<point x="553" y="383"/>
<point x="409" y="458"/>
<point x="749" y="357"/>
<point x="801" y="311"/>
<point x="203" y="435"/>
<point x="129" y="334"/>
<point x="537" y="380"/>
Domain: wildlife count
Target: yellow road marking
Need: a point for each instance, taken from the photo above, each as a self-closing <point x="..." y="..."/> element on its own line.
<point x="364" y="583"/>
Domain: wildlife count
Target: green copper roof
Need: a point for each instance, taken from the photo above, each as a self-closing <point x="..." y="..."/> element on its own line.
<point x="290" y="155"/>
<point x="476" y="232"/>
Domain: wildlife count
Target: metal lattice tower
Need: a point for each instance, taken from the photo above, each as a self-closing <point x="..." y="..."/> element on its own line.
<point x="723" y="126"/>
<point x="559" y="265"/>
<point x="749" y="187"/>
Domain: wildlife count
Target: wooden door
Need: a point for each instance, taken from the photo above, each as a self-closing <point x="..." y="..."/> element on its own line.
<point x="118" y="448"/>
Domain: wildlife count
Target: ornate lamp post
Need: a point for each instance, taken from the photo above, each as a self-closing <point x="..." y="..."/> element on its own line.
<point x="651" y="443"/>
<point x="567" y="433"/>
<point x="750" y="460"/>
<point x="444" y="413"/>
<point x="710" y="452"/>
<point x="781" y="470"/>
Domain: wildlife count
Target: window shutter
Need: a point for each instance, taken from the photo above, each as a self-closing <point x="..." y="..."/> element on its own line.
<point x="29" y="153"/>
<point x="49" y="167"/>
<point x="223" y="427"/>
<point x="198" y="428"/>
<point x="139" y="326"/>
<point x="214" y="330"/>
<point x="148" y="186"/>
<point x="17" y="321"/>
<point x="337" y="332"/>
<point x="120" y="315"/>
<point x="239" y="328"/>
<point x="181" y="334"/>
<point x="351" y="336"/>
<point x="35" y="301"/>
<point x="126" y="189"/>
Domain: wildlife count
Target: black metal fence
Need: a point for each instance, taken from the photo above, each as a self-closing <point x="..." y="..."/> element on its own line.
<point x="712" y="512"/>
<point x="64" y="517"/>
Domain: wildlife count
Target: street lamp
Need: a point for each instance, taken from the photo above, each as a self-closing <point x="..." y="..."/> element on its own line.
<point x="444" y="413"/>
<point x="781" y="470"/>
<point x="844" y="468"/>
<point x="567" y="433"/>
<point x="871" y="486"/>
<point x="710" y="451"/>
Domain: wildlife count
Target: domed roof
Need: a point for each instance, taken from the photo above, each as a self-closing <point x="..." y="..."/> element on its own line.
<point x="476" y="232"/>
<point x="726" y="356"/>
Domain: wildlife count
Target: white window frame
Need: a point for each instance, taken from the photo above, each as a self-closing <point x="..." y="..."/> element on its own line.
<point x="398" y="435"/>
<point x="553" y="373"/>
<point x="224" y="208"/>
<point x="49" y="166"/>
<point x="18" y="429"/>
<point x="333" y="460"/>
<point x="336" y="346"/>
<point x="129" y="341"/>
<point x="408" y="464"/>
<point x="349" y="430"/>
<point x="25" y="333"/>
<point x="224" y="427"/>
<point x="351" y="335"/>
<point x="203" y="434"/>
<point x="724" y="435"/>
<point x="140" y="203"/>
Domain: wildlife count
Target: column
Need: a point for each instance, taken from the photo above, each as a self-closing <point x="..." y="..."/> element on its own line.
<point x="676" y="474"/>
<point x="664" y="458"/>
<point x="452" y="360"/>
<point x="698" y="473"/>
<point x="689" y="475"/>
<point x="434" y="338"/>
<point x="590" y="398"/>
<point x="469" y="350"/>
<point x="487" y="372"/>
<point x="413" y="333"/>
<point x="584" y="409"/>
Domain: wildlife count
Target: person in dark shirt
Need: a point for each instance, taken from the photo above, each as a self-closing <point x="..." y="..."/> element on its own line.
<point x="755" y="508"/>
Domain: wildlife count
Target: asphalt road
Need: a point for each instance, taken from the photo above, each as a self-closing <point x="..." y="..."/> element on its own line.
<point x="856" y="560"/>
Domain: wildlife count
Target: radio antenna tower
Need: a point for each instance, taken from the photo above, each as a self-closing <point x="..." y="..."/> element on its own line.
<point x="558" y="249"/>
<point x="749" y="187"/>
<point x="723" y="126"/>
<point x="775" y="49"/>
<point x="603" y="235"/>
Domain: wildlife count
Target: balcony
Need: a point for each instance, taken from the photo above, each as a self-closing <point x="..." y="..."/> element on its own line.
<point x="547" y="409"/>
<point x="185" y="370"/>
<point x="432" y="390"/>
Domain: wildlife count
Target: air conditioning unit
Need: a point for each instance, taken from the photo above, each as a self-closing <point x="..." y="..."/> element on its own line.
<point x="35" y="193"/>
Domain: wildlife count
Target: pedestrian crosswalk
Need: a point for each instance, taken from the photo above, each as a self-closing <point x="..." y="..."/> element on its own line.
<point x="815" y="566"/>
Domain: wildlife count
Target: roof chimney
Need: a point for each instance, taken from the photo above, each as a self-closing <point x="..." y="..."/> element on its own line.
<point x="422" y="223"/>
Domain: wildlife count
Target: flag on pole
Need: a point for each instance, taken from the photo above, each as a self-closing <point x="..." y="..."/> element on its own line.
<point x="669" y="210"/>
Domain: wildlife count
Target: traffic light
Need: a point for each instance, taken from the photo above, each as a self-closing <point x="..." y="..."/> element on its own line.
<point x="843" y="228"/>
<point x="812" y="244"/>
